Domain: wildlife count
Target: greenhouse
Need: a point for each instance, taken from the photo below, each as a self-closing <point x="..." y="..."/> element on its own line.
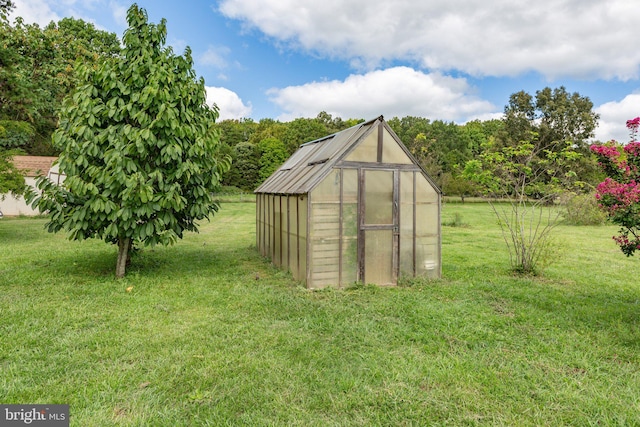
<point x="351" y="207"/>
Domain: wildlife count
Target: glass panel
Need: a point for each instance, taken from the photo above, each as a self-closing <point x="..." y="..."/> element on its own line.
<point x="391" y="151"/>
<point x="349" y="243"/>
<point x="328" y="148"/>
<point x="427" y="229"/>
<point x="285" y="232"/>
<point x="302" y="215"/>
<point x="258" y="222"/>
<point x="425" y="193"/>
<point x="326" y="221"/>
<point x="406" y="223"/>
<point x="378" y="197"/>
<point x="277" y="247"/>
<point x="367" y="151"/>
<point x="325" y="262"/>
<point x="427" y="257"/>
<point x="263" y="213"/>
<point x="293" y="241"/>
<point x="302" y="227"/>
<point x="349" y="227"/>
<point x="325" y="241"/>
<point x="297" y="157"/>
<point x="350" y="186"/>
<point x="329" y="189"/>
<point x="269" y="240"/>
<point x="427" y="219"/>
<point x="378" y="248"/>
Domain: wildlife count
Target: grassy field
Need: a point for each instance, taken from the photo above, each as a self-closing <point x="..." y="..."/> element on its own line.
<point x="207" y="333"/>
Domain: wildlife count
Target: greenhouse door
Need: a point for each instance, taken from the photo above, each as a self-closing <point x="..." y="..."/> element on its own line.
<point x="378" y="231"/>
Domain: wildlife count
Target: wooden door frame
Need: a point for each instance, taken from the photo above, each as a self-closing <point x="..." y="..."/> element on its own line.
<point x="395" y="226"/>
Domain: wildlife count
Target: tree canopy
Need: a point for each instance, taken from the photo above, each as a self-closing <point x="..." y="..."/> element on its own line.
<point x="138" y="146"/>
<point x="38" y="69"/>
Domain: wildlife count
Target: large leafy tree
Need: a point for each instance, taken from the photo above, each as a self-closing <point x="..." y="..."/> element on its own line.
<point x="139" y="148"/>
<point x="559" y="119"/>
<point x="11" y="180"/>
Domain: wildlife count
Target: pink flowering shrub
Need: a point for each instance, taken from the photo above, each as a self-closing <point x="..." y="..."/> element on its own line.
<point x="619" y="193"/>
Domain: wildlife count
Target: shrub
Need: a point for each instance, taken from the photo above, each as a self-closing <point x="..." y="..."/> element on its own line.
<point x="582" y="209"/>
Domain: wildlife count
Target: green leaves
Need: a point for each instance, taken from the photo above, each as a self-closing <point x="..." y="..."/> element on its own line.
<point x="137" y="147"/>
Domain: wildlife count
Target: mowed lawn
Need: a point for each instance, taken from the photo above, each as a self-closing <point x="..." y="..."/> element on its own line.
<point x="207" y="333"/>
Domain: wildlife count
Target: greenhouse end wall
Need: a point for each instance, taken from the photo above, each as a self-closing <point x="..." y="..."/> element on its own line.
<point x="332" y="253"/>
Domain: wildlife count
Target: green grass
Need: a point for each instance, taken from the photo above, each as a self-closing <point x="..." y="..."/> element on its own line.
<point x="210" y="334"/>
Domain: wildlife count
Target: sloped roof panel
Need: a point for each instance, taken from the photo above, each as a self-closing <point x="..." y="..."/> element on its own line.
<point x="303" y="170"/>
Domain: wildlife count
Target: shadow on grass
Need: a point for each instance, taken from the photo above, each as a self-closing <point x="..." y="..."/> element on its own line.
<point x="18" y="230"/>
<point x="172" y="262"/>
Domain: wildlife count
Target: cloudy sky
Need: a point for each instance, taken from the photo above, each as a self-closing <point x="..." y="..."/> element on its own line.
<point x="453" y="60"/>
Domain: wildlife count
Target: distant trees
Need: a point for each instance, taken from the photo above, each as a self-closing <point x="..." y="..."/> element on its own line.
<point x="37" y="70"/>
<point x="259" y="148"/>
<point x="558" y="119"/>
<point x="533" y="158"/>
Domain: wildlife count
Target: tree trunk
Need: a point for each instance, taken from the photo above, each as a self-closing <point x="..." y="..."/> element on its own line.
<point x="124" y="245"/>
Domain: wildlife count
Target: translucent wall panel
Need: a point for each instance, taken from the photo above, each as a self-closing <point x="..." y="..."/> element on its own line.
<point x="293" y="237"/>
<point x="391" y="150"/>
<point x="378" y="248"/>
<point x="325" y="231"/>
<point x="427" y="228"/>
<point x="259" y="223"/>
<point x="350" y="186"/>
<point x="406" y="224"/>
<point x="367" y="150"/>
<point x="349" y="226"/>
<point x="425" y="191"/>
<point x="427" y="219"/>
<point x="428" y="257"/>
<point x="328" y="190"/>
<point x="302" y="243"/>
<point x="269" y="229"/>
<point x="277" y="247"/>
<point x="263" y="224"/>
<point x="284" y="200"/>
<point x="378" y="197"/>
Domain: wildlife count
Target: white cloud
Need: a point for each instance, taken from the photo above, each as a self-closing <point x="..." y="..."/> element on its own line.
<point x="614" y="116"/>
<point x="230" y="104"/>
<point x="215" y="56"/>
<point x="34" y="11"/>
<point x="42" y="12"/>
<point x="574" y="38"/>
<point x="398" y="91"/>
<point x="119" y="13"/>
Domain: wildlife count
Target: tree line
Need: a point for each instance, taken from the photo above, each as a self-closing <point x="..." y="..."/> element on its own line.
<point x="556" y="119"/>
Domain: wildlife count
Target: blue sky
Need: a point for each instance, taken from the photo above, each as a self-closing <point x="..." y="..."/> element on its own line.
<point x="453" y="60"/>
